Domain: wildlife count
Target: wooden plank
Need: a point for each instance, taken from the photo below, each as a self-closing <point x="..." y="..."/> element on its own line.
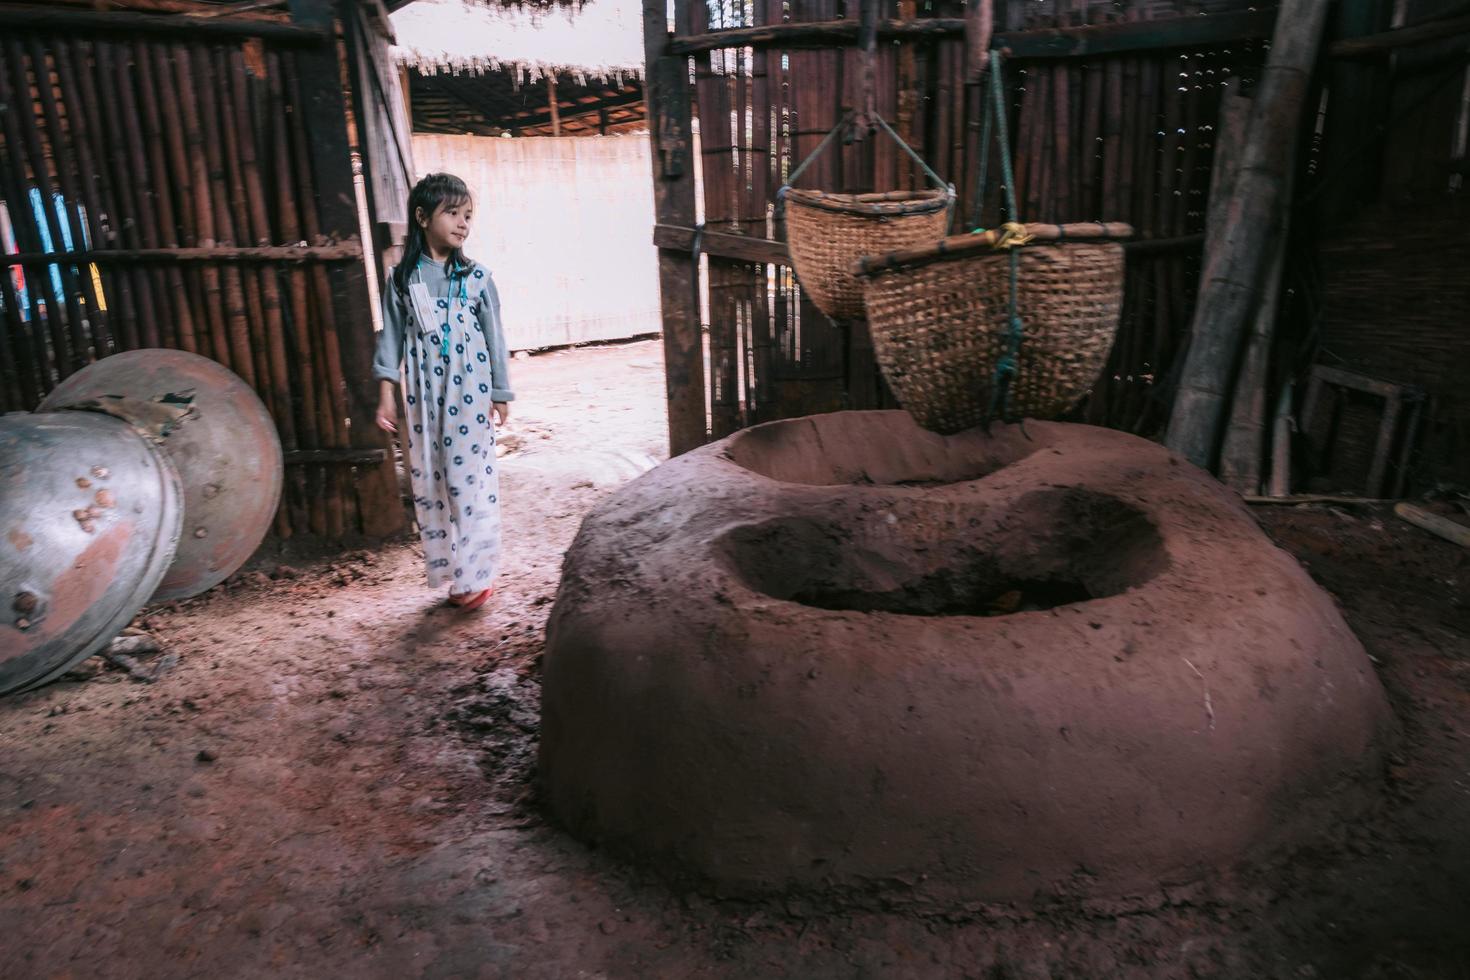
<point x="667" y="92"/>
<point x="32" y="17"/>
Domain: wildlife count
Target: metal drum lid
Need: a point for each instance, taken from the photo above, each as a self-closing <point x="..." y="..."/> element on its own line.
<point x="90" y="513"/>
<point x="228" y="456"/>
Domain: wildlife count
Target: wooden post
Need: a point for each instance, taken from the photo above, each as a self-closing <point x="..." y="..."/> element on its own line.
<point x="1232" y="278"/>
<point x="555" y="109"/>
<point x="979" y="25"/>
<point x="666" y="88"/>
<point x="324" y="114"/>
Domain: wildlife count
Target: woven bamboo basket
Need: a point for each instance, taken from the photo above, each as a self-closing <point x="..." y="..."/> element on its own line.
<point x="827" y="233"/>
<point x="940" y="323"/>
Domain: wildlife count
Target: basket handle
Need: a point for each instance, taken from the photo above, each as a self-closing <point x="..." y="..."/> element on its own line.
<point x="847" y="116"/>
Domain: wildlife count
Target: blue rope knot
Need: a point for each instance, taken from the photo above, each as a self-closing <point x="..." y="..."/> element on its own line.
<point x="1006" y="367"/>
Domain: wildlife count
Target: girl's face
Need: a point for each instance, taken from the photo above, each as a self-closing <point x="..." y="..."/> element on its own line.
<point x="449" y="226"/>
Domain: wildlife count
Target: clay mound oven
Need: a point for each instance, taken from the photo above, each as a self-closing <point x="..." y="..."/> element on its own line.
<point x="843" y="652"/>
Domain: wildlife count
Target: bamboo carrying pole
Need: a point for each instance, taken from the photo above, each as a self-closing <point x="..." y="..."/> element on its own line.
<point x="1233" y="277"/>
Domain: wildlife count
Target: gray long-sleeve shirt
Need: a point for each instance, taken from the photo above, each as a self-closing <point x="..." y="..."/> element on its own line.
<point x="398" y="319"/>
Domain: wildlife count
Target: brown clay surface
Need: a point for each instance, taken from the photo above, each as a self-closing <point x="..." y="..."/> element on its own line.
<point x="365" y="810"/>
<point x="844" y="653"/>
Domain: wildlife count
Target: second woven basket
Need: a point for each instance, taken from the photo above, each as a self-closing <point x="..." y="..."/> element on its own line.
<point x="940" y="315"/>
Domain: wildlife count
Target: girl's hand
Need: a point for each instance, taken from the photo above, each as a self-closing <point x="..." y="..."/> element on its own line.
<point x="387" y="416"/>
<point x="502" y="412"/>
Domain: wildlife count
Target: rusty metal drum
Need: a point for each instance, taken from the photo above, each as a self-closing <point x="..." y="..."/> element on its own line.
<point x="228" y="456"/>
<point x="90" y="514"/>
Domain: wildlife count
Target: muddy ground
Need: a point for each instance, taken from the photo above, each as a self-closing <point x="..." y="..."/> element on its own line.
<point x="335" y="779"/>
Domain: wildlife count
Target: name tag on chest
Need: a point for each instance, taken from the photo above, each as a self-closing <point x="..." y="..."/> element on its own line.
<point x="423" y="306"/>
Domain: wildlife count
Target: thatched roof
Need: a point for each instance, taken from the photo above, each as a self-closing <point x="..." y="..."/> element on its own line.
<point x="601" y="40"/>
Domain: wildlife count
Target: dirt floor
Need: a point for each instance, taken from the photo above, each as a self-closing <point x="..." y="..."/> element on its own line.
<point x="335" y="779"/>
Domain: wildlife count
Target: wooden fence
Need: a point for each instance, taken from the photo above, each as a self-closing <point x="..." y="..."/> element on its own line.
<point x="167" y="185"/>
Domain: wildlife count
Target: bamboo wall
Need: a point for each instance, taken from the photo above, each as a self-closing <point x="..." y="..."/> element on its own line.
<point x="1122" y="136"/>
<point x="183" y="181"/>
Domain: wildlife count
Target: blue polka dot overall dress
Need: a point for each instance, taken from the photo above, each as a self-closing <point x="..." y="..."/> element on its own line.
<point x="451" y="433"/>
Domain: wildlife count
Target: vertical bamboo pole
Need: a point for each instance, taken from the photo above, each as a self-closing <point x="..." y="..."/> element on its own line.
<point x="129" y="216"/>
<point x="228" y="78"/>
<point x="1111" y="209"/>
<point x="167" y="182"/>
<point x="159" y="329"/>
<point x="212" y="286"/>
<point x="194" y="296"/>
<point x="1234" y="277"/>
<point x="232" y="157"/>
<point x="165" y="225"/>
<point x="90" y="141"/>
<point x="260" y="234"/>
<point x="1244" y="444"/>
<point x="1059" y="194"/>
<point x="237" y="318"/>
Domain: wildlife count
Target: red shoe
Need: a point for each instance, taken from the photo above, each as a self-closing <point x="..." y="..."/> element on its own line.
<point x="471" y="600"/>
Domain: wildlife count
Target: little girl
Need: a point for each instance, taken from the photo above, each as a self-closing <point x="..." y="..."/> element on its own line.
<point x="441" y="328"/>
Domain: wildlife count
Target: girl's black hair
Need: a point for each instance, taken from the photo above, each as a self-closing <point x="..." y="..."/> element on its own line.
<point x="431" y="193"/>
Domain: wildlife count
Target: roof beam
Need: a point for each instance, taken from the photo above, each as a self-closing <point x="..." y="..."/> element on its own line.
<point x="576" y="110"/>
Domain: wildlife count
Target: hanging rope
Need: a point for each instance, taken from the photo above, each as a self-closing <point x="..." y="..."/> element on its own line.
<point x="847" y="117"/>
<point x="1013" y="234"/>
